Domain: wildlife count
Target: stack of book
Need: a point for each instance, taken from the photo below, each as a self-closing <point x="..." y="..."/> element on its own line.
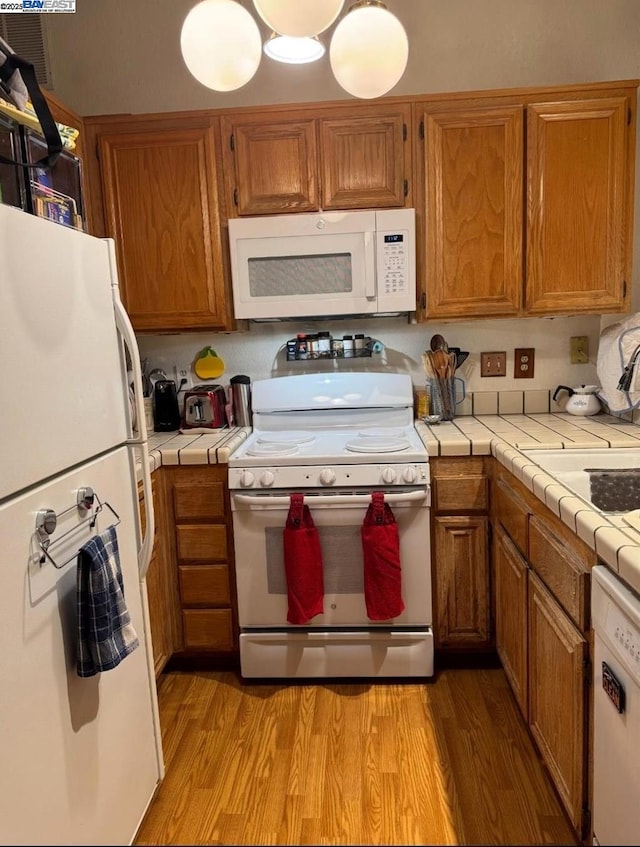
<point x="51" y="204"/>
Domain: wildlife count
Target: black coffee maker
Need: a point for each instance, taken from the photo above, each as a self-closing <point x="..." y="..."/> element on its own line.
<point x="166" y="412"/>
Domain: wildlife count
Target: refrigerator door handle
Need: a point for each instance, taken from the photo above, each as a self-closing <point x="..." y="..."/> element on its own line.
<point x="126" y="331"/>
<point x="140" y="442"/>
<point x="146" y="549"/>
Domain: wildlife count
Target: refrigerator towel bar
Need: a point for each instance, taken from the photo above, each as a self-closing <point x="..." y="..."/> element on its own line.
<point x="47" y="520"/>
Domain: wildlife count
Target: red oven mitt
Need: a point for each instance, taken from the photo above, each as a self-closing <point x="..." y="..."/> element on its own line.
<point x="302" y="563"/>
<point x="381" y="551"/>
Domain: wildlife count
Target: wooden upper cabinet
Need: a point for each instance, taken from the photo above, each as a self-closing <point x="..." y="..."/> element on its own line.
<point x="525" y="206"/>
<point x="471" y="173"/>
<point x="577" y="206"/>
<point x="161" y="205"/>
<point x="304" y="160"/>
<point x="275" y="167"/>
<point x="363" y="161"/>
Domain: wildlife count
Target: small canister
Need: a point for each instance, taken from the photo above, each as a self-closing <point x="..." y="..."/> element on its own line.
<point x="302" y="347"/>
<point x="324" y="344"/>
<point x="358" y="344"/>
<point x="347" y="346"/>
<point x="337" y="348"/>
<point x="312" y="345"/>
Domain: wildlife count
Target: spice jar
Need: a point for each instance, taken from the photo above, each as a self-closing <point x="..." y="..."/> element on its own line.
<point x="324" y="344"/>
<point x="358" y="344"/>
<point x="312" y="345"/>
<point x="347" y="346"/>
<point x="302" y="348"/>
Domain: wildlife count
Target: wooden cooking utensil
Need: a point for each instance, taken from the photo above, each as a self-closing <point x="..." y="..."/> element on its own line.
<point x="438" y="342"/>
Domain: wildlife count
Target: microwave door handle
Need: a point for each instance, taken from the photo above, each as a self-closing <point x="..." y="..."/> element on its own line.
<point x="370" y="266"/>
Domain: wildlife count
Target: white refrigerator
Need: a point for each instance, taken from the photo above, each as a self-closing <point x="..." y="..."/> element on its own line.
<point x="80" y="757"/>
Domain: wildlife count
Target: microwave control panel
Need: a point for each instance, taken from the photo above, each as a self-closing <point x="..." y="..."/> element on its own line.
<point x="396" y="260"/>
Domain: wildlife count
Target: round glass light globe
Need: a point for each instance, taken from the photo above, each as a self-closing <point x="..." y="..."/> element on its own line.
<point x="298" y="18"/>
<point x="221" y="44"/>
<point x="369" y="51"/>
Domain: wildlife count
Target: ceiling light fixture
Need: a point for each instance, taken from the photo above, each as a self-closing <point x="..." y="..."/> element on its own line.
<point x="221" y="42"/>
<point x="298" y="18"/>
<point x="294" y="51"/>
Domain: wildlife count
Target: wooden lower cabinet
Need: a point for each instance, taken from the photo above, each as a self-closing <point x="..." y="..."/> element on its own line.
<point x="511" y="591"/>
<point x="460" y="553"/>
<point x="462" y="581"/>
<point x="202" y="547"/>
<point x="162" y="596"/>
<point x="543" y="631"/>
<point x="558" y="696"/>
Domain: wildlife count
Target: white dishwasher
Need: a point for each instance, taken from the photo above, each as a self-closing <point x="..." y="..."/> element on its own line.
<point x="615" y="613"/>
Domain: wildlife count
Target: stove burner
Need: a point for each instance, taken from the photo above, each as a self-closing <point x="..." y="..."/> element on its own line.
<point x="379" y="445"/>
<point x="273" y="449"/>
<point x="286" y="438"/>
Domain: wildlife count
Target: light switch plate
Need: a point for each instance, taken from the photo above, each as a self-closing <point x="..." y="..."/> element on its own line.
<point x="579" y="349"/>
<point x="493" y="364"/>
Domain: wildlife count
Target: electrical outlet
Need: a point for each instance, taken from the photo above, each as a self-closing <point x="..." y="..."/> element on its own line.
<point x="523" y="362"/>
<point x="493" y="364"/>
<point x="183" y="377"/>
<point x="579" y="346"/>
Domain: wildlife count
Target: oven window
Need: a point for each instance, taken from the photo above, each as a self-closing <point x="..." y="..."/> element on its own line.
<point x="341" y="558"/>
<point x="282" y="276"/>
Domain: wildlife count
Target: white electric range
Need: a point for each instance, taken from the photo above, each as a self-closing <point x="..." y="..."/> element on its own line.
<point x="334" y="438"/>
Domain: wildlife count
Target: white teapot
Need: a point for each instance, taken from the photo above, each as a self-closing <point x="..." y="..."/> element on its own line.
<point x="582" y="399"/>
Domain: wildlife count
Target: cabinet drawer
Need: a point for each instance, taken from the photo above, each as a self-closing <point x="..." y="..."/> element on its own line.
<point x="207" y="629"/>
<point x="198" y="502"/>
<point x="460" y="484"/>
<point x="460" y="494"/>
<point x="513" y="514"/>
<point x="201" y="543"/>
<point x="561" y="569"/>
<point x="204" y="585"/>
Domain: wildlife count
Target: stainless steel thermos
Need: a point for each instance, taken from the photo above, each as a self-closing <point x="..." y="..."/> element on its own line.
<point x="241" y="399"/>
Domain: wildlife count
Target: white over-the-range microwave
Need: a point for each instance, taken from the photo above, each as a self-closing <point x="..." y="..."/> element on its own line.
<point x="322" y="264"/>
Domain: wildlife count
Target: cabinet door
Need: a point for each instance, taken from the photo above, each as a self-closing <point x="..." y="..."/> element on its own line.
<point x="577" y="207"/>
<point x="558" y="698"/>
<point x="273" y="166"/>
<point x="365" y="160"/>
<point x="510" y="578"/>
<point x="473" y="189"/>
<point x="161" y="584"/>
<point x="161" y="207"/>
<point x="462" y="581"/>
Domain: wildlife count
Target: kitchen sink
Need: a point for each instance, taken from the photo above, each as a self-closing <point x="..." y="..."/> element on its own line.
<point x="608" y="479"/>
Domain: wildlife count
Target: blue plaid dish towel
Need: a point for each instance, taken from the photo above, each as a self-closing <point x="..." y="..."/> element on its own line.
<point x="105" y="632"/>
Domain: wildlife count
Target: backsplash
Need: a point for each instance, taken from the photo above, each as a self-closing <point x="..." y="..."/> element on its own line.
<point x="261" y="351"/>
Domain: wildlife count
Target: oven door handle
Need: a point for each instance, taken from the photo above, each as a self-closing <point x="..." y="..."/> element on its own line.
<point x="331" y="499"/>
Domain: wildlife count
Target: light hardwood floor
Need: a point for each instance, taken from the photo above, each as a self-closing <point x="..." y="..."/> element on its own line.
<point x="445" y="762"/>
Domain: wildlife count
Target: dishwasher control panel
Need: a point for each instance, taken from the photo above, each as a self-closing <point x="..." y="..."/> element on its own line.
<point x="624" y="635"/>
<point x="613" y="687"/>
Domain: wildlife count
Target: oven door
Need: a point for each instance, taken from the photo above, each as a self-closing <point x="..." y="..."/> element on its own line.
<point x="258" y="523"/>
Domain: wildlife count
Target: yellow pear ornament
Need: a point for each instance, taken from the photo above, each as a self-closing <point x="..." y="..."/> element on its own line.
<point x="208" y="365"/>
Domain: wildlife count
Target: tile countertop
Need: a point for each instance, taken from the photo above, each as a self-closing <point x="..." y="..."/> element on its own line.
<point x="195" y="448"/>
<point x="502" y="436"/>
<point x="615" y="542"/>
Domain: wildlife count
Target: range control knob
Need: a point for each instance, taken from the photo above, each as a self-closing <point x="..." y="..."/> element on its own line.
<point x="388" y="475"/>
<point x="267" y="479"/>
<point x="327" y="476"/>
<point x="246" y="479"/>
<point x="409" y="474"/>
